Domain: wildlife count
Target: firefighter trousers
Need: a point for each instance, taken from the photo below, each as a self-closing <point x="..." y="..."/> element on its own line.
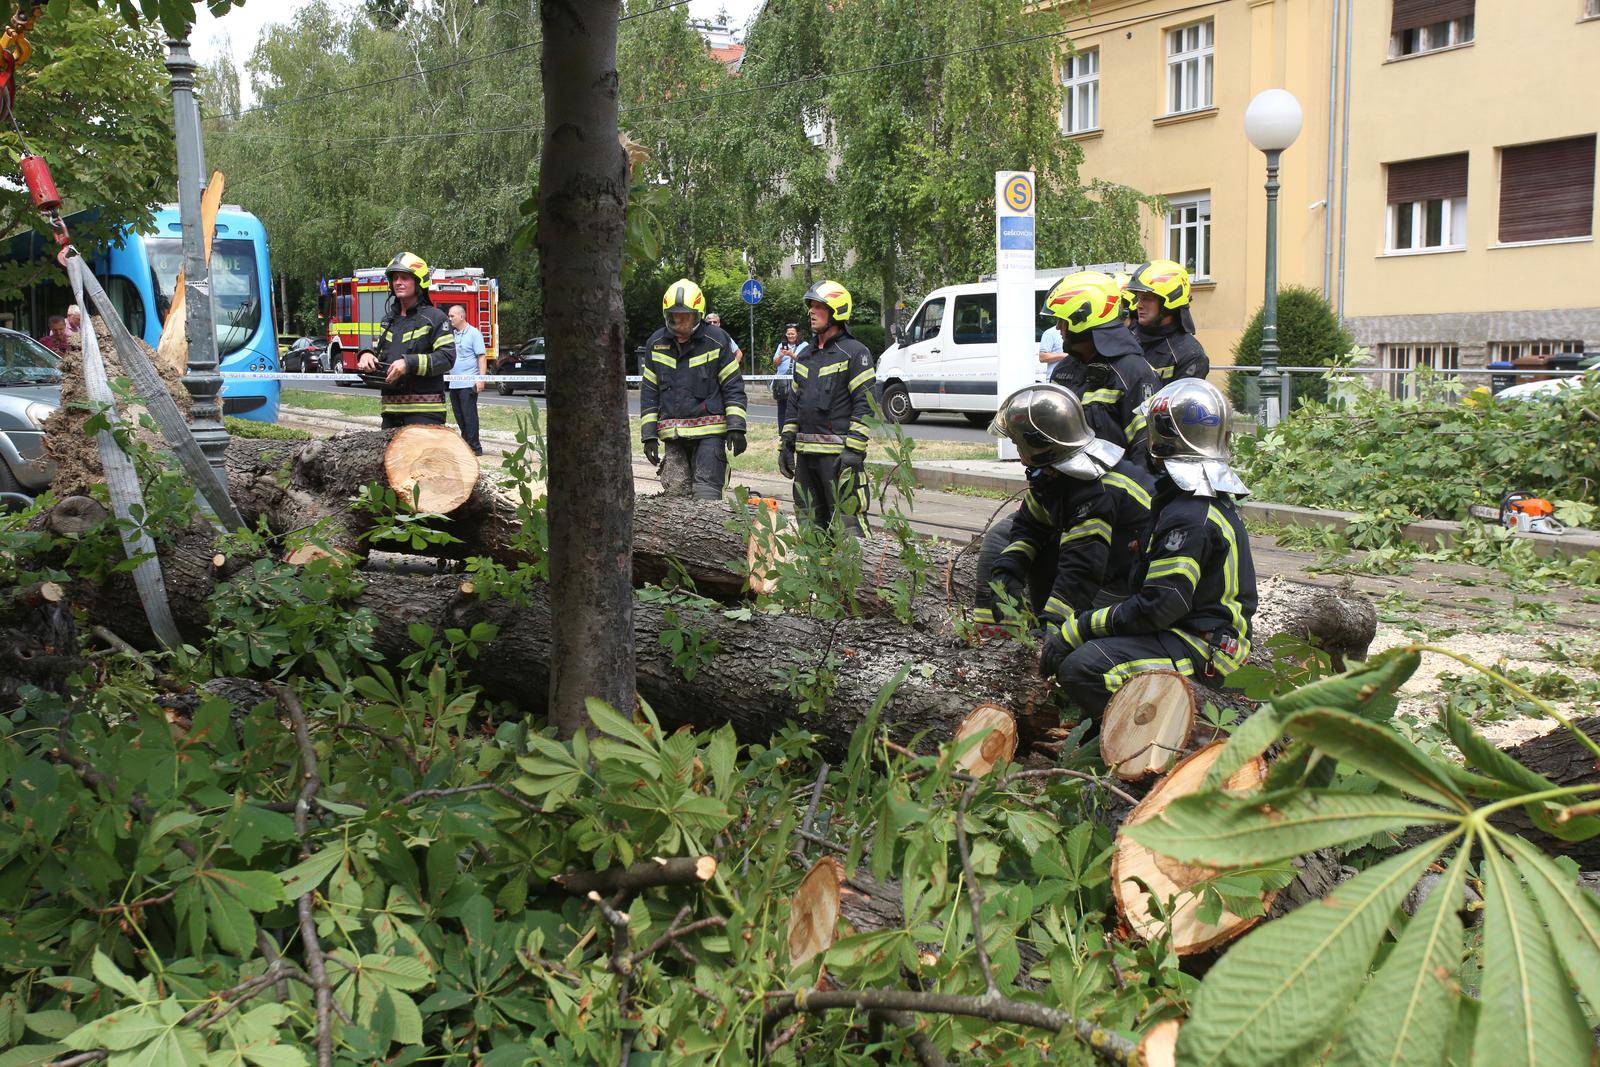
<point x="1096" y="669"/>
<point x="822" y="487"/>
<point x="695" y="465"/>
<point x="393" y="420"/>
<point x="1041" y="572"/>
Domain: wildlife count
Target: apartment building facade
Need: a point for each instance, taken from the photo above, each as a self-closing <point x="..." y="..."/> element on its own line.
<point x="1453" y="225"/>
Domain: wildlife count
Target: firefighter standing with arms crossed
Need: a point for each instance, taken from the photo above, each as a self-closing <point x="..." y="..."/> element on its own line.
<point x="416" y="348"/>
<point x="824" y="443"/>
<point x="692" y="395"/>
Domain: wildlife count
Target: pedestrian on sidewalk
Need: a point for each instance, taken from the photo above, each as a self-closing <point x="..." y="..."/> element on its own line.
<point x="1050" y="352"/>
<point x="74" y="319"/>
<point x="789" y="349"/>
<point x="471" y="358"/>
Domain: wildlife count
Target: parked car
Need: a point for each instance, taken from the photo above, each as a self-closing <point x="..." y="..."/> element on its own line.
<point x="306" y="355"/>
<point x="30" y="390"/>
<point x="527" y="358"/>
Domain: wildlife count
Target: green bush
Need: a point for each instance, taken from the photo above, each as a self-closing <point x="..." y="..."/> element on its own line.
<point x="1309" y="335"/>
<point x="266" y="431"/>
<point x="871" y="334"/>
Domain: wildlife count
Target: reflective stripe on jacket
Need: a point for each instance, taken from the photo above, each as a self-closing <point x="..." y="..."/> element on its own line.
<point x="693" y="389"/>
<point x="832" y="396"/>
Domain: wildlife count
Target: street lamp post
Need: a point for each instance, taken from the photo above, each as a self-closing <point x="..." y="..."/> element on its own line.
<point x="202" y="380"/>
<point x="1272" y="122"/>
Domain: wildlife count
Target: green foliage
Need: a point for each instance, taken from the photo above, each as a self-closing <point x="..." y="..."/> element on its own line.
<point x="1309" y="335"/>
<point x="93" y="101"/>
<point x="251" y="429"/>
<point x="1320" y="977"/>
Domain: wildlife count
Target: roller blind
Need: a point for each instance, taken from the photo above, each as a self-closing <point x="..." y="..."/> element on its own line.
<point x="1434" y="178"/>
<point x="1547" y="190"/>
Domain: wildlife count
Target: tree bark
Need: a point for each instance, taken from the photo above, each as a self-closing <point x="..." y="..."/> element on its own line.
<point x="1561" y="758"/>
<point x="583" y="195"/>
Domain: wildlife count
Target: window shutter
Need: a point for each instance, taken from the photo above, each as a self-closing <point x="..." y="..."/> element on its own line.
<point x="1547" y="190"/>
<point x="1435" y="178"/>
<point x="1413" y="14"/>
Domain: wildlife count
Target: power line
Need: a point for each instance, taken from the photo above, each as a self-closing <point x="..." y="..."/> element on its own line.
<point x="296" y="101"/>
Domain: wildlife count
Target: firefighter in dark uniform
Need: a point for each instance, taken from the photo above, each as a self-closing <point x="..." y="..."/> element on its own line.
<point x="1166" y="328"/>
<point x="1073" y="542"/>
<point x="1195" y="582"/>
<point x="692" y="396"/>
<point x="1104" y="366"/>
<point x="416" y="348"/>
<point x="824" y="444"/>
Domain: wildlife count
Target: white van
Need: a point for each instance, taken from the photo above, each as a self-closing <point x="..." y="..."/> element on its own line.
<point x="945" y="359"/>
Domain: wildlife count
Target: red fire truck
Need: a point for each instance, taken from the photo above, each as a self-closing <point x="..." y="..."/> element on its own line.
<point x="355" y="307"/>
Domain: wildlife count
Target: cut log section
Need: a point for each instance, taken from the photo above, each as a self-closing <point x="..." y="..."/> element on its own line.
<point x="766" y="550"/>
<point x="431" y="468"/>
<point x="814" y="911"/>
<point x="75" y="515"/>
<point x="1152" y="722"/>
<point x="1169" y="881"/>
<point x="999" y="744"/>
<point x="1159" y="1047"/>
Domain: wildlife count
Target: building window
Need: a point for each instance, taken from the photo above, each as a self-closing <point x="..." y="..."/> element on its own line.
<point x="1591" y="9"/>
<point x="816" y="129"/>
<point x="1080" y="74"/>
<point x="1409" y="358"/>
<point x="1547" y="190"/>
<point x="975" y="319"/>
<point x="1506" y="351"/>
<point x="1189" y="233"/>
<point x="1189" y="61"/>
<point x="1422" y="26"/>
<point x="1427" y="204"/>
<point x="809" y="251"/>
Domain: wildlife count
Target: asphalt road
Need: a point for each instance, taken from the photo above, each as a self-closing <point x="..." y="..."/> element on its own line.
<point x="928" y="428"/>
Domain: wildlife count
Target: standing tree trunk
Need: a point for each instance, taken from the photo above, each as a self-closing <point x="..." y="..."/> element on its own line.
<point x="583" y="195"/>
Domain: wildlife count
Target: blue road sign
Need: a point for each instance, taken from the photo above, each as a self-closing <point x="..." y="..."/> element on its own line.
<point x="752" y="291"/>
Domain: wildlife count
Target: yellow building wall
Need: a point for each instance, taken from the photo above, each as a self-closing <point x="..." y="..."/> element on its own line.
<point x="1259" y="44"/>
<point x="1529" y="75"/>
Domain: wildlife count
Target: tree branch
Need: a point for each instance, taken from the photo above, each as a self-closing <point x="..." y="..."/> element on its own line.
<point x="674" y="932"/>
<point x="620" y="964"/>
<point x="927" y="1054"/>
<point x="680" y="870"/>
<point x="305" y="906"/>
<point x="974" y="891"/>
<point x="1110" y="1046"/>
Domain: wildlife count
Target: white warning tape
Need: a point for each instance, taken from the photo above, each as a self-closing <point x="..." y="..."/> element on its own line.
<point x="525" y="379"/>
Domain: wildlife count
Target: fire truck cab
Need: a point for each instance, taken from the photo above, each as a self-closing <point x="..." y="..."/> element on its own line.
<point x="354" y="307"/>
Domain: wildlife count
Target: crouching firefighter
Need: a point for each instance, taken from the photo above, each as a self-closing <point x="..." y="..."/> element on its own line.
<point x="415" y="349"/>
<point x="1195" y="584"/>
<point x="1104" y="366"/>
<point x="1072" y="544"/>
<point x="824" y="443"/>
<point x="692" y="395"/>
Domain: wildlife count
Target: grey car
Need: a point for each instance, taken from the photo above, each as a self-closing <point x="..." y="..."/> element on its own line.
<point x="30" y="389"/>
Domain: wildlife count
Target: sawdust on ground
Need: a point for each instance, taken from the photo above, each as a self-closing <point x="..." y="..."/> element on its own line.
<point x="73" y="449"/>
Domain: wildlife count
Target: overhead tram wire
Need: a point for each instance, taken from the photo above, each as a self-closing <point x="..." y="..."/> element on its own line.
<point x="393" y="78"/>
<point x="803" y="79"/>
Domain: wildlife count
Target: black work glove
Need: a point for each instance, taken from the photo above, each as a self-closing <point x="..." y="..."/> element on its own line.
<point x="736" y="442"/>
<point x="786" y="457"/>
<point x="1055" y="650"/>
<point x="850" y="459"/>
<point x="652" y="452"/>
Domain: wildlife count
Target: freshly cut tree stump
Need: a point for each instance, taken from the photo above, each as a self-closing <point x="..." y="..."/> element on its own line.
<point x="766" y="552"/>
<point x="814" y="911"/>
<point x="1159" y="1048"/>
<point x="75" y="515"/>
<point x="431" y="467"/>
<point x="1153" y="721"/>
<point x="1169" y="880"/>
<point x="999" y="743"/>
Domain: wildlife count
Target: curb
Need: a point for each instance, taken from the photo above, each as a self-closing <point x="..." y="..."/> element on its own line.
<point x="1427" y="532"/>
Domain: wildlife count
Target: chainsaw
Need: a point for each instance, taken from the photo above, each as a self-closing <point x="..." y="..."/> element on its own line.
<point x="1522" y="512"/>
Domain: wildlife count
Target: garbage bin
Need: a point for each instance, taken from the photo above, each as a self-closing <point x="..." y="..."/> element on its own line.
<point x="1526" y="363"/>
<point x="1497" y="382"/>
<point x="1567" y="361"/>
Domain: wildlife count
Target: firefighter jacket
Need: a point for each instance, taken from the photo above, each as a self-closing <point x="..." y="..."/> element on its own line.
<point x="423" y="339"/>
<point x="1112" y="389"/>
<point x="1096" y="526"/>
<point x="1172" y="353"/>
<point x="832" y="396"/>
<point x="1194" y="579"/>
<point x="692" y="389"/>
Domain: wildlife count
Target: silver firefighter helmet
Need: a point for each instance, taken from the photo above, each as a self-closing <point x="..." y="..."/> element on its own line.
<point x="1047" y="424"/>
<point x="1190" y="423"/>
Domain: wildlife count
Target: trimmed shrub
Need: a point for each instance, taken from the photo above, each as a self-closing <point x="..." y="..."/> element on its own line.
<point x="1309" y="335"/>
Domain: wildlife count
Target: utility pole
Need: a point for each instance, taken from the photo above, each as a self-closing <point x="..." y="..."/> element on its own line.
<point x="202" y="380"/>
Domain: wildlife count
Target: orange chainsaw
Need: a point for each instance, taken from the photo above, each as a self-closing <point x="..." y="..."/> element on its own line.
<point x="1523" y="512"/>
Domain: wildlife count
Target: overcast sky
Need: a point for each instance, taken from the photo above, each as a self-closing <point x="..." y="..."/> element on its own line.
<point x="241" y="25"/>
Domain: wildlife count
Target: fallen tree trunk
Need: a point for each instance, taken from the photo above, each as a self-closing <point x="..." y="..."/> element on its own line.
<point x="1564" y="760"/>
